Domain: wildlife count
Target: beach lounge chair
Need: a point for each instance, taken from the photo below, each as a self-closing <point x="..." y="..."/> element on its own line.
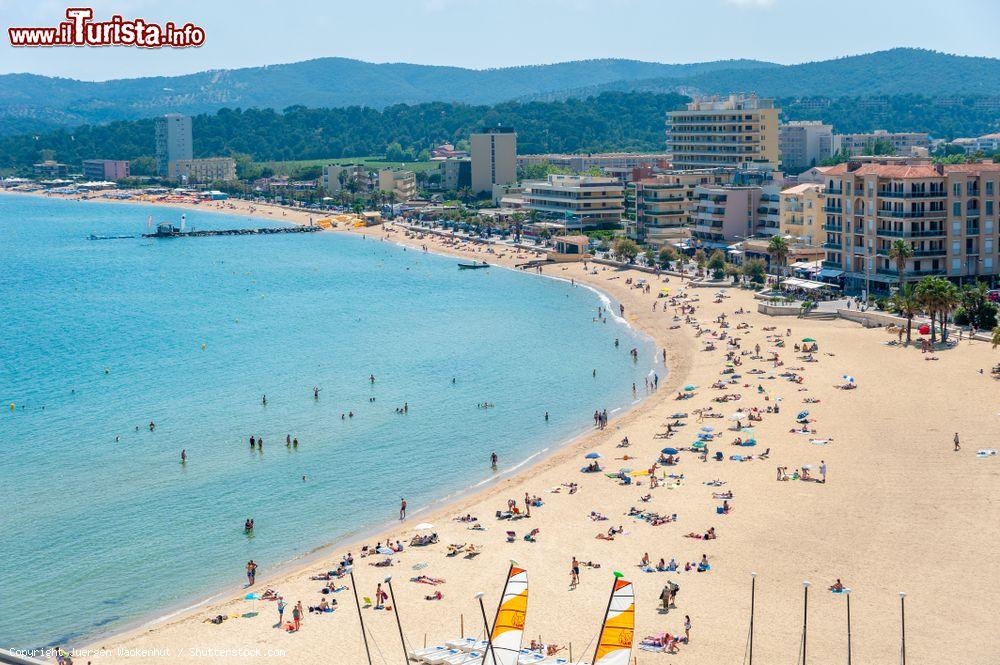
<point x="463" y="643"/>
<point x="367" y="601"/>
<point x="465" y="658"/>
<point x="529" y="658"/>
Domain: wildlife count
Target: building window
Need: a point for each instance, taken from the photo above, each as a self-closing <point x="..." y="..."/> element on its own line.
<point x="956" y="208"/>
<point x="956" y="189"/>
<point x="989" y="188"/>
<point x="989" y="207"/>
<point x="956" y="264"/>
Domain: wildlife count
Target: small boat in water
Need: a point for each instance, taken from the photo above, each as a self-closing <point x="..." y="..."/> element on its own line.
<point x="473" y="266"/>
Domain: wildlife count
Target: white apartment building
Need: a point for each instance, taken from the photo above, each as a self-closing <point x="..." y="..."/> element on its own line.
<point x="904" y="144"/>
<point x="574" y="201"/>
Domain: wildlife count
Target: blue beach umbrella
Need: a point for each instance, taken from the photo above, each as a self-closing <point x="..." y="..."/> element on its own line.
<point x="802" y="414"/>
<point x="689" y="387"/>
<point x="707" y="429"/>
<point x="669" y="451"/>
<point x="592" y="456"/>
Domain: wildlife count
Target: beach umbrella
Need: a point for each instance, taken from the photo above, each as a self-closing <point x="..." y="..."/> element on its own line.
<point x="384" y="550"/>
<point x="849" y="379"/>
<point x="254" y="597"/>
<point x="592" y="456"/>
<point x="808" y="339"/>
<point x="707" y="429"/>
<point x="739" y="415"/>
<point x="669" y="451"/>
<point x="747" y="430"/>
<point x="424" y="526"/>
<point x="924" y="329"/>
<point x="802" y="414"/>
<point x="689" y="387"/>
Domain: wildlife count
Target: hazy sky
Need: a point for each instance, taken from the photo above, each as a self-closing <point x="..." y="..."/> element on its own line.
<point x="496" y="33"/>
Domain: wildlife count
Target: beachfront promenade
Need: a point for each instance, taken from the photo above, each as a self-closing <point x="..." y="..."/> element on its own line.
<point x="900" y="509"/>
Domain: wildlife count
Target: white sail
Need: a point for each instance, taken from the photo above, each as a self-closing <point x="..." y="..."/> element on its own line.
<point x="614" y="646"/>
<point x="508" y="628"/>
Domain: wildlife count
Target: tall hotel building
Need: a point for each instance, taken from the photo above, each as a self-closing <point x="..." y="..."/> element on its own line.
<point x="737" y="131"/>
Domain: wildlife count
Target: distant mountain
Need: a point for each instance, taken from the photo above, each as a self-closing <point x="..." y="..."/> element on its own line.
<point x="324" y="83"/>
<point x="899" y="71"/>
<point x="30" y="103"/>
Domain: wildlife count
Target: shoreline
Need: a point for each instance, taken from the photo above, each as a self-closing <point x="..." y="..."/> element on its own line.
<point x="901" y="507"/>
<point x="450" y="503"/>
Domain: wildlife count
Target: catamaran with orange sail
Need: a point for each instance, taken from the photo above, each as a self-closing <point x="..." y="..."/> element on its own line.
<point x="508" y="626"/>
<point x="614" y="646"/>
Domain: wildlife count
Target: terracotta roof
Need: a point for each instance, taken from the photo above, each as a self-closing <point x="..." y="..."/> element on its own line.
<point x="914" y="170"/>
<point x="988" y="167"/>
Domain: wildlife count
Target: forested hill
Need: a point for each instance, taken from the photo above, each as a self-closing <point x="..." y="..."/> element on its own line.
<point x="30" y="103"/>
<point x="901" y="71"/>
<point x="612" y="121"/>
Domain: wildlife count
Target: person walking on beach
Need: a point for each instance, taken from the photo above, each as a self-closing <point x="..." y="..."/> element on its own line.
<point x="574" y="574"/>
<point x="822" y="471"/>
<point x="251" y="572"/>
<point x="402" y="509"/>
<point x="380" y="597"/>
<point x="297" y="615"/>
<point x="957" y="445"/>
<point x="281" y="611"/>
<point x="687" y="628"/>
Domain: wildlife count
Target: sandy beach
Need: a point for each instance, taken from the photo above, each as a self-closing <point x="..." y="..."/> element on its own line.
<point x="900" y="509"/>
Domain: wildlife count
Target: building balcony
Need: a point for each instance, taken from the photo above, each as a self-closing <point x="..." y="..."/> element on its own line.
<point x="889" y="194"/>
<point x="832" y="245"/>
<point x="838" y="211"/>
<point x="663" y="199"/>
<point x="912" y="214"/>
<point x="836" y="228"/>
<point x="830" y="191"/>
<point x="910" y="273"/>
<point x="912" y="233"/>
<point x="919" y="253"/>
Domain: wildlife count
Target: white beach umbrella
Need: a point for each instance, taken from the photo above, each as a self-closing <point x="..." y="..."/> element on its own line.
<point x="424" y="526"/>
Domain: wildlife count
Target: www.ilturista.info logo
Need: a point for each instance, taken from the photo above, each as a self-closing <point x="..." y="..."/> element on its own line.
<point x="81" y="30"/>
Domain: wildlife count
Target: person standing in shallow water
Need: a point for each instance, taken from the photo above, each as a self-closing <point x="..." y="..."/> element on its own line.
<point x="402" y="509"/>
<point x="493" y="460"/>
<point x="251" y="572"/>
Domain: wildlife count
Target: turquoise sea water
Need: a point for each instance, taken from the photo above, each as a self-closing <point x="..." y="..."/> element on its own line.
<point x="100" y="337"/>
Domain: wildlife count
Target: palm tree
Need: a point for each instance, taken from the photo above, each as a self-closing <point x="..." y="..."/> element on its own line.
<point x="906" y="302"/>
<point x="517" y="220"/>
<point x="951" y="298"/>
<point x="996" y="337"/>
<point x="929" y="298"/>
<point x="899" y="252"/>
<point x="778" y="248"/>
